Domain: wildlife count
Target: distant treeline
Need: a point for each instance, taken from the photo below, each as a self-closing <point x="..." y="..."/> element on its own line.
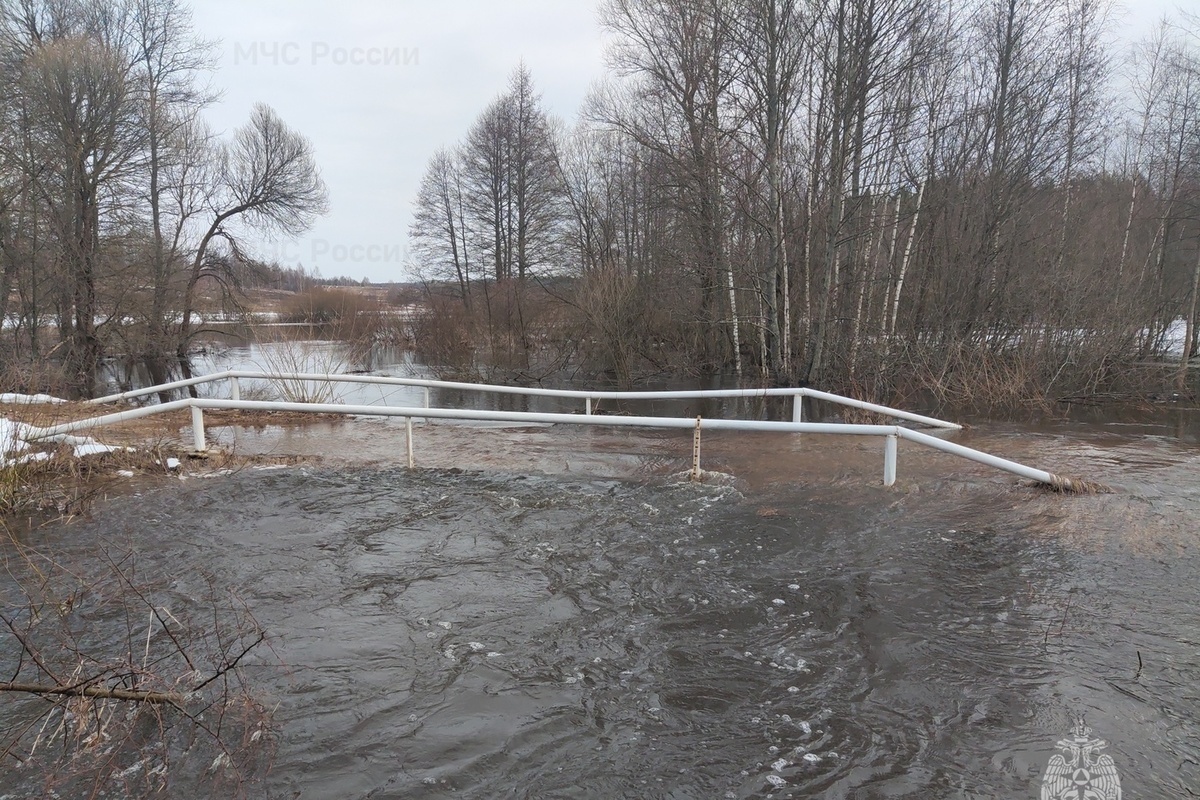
<point x="290" y="279"/>
<point x="982" y="198"/>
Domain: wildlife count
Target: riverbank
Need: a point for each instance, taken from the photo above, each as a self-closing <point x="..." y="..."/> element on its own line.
<point x="42" y="481"/>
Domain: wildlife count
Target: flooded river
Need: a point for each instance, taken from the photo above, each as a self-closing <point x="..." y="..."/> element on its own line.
<point x="554" y="613"/>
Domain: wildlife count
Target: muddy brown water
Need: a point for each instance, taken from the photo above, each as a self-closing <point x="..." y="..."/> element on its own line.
<point x="565" y="617"/>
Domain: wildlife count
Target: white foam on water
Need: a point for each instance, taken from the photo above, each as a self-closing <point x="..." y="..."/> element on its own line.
<point x="217" y="473"/>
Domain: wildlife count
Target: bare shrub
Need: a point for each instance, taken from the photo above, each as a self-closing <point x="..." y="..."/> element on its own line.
<point x="613" y="329"/>
<point x="43" y="375"/>
<point x="360" y="321"/>
<point x="628" y="326"/>
<point x="1022" y="369"/>
<point x="304" y="354"/>
<point x="112" y="685"/>
<point x="443" y="336"/>
<point x="345" y="309"/>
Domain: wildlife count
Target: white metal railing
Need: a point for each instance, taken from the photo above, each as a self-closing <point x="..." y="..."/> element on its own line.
<point x="588" y="396"/>
<point x="891" y="433"/>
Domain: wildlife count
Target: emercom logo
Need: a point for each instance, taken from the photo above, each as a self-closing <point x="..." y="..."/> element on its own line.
<point x="1080" y="771"/>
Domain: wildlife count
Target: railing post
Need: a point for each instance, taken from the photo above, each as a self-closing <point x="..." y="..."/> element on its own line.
<point x="198" y="429"/>
<point x="587" y="406"/>
<point x="235" y="389"/>
<point x="797" y="407"/>
<point x="408" y="440"/>
<point x="889" y="459"/>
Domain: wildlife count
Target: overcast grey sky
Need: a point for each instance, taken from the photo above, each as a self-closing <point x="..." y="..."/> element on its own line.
<point x="379" y="85"/>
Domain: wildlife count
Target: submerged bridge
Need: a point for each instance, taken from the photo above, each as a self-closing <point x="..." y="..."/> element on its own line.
<point x="890" y="433"/>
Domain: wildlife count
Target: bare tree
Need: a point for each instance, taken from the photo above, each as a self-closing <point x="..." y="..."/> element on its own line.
<point x="676" y="54"/>
<point x="169" y="59"/>
<point x="441" y="243"/>
<point x="266" y="177"/>
<point x="510" y="169"/>
<point x="75" y="86"/>
<point x="770" y="36"/>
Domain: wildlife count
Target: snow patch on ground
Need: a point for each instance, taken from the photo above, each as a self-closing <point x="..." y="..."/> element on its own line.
<point x="15" y="398"/>
<point x="11" y="440"/>
<point x="94" y="449"/>
<point x="15" y="438"/>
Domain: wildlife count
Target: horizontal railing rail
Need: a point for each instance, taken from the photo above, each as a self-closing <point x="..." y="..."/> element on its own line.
<point x="892" y="434"/>
<point x="587" y="395"/>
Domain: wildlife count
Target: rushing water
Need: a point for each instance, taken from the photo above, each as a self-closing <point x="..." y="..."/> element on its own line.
<point x="567" y="619"/>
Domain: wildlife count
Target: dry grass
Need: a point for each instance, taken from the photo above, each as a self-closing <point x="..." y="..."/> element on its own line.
<point x="130" y="715"/>
<point x="64" y="486"/>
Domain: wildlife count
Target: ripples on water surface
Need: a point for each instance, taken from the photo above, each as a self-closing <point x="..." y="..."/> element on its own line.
<point x="491" y="634"/>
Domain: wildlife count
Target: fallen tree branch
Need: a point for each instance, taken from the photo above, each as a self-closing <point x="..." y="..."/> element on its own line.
<point x="229" y="665"/>
<point x="101" y="692"/>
